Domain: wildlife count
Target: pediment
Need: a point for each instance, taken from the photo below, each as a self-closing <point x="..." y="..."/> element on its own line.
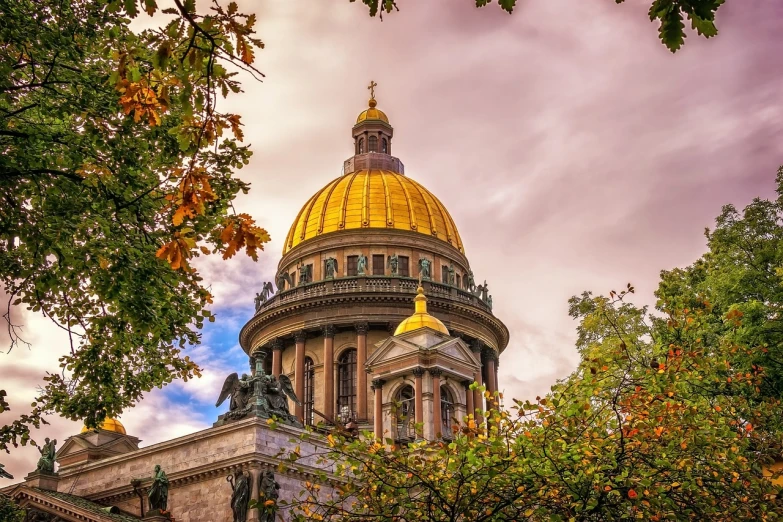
<point x="423" y="341"/>
<point x="63" y="506"/>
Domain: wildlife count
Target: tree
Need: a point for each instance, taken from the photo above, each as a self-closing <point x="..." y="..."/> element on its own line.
<point x="626" y="436"/>
<point x="9" y="511"/>
<point x="669" y="14"/>
<point x="117" y="169"/>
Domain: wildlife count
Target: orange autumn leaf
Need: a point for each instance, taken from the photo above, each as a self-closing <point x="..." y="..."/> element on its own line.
<point x="632" y="494"/>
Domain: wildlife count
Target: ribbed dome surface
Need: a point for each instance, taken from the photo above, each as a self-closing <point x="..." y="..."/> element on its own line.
<point x="373" y="199"/>
<point x="372" y="114"/>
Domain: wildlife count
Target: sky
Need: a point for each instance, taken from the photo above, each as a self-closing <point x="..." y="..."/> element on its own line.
<point x="572" y="149"/>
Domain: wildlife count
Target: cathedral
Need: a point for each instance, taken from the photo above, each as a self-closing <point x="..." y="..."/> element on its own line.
<point x="374" y="323"/>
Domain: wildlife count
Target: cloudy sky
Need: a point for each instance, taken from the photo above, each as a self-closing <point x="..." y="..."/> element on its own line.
<point x="571" y="148"/>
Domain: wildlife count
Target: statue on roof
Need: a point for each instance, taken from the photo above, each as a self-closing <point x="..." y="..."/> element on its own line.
<point x="46" y="461"/>
<point x="240" y="391"/>
<point x="331" y="267"/>
<point x="393" y="262"/>
<point x="452" y="275"/>
<point x="361" y="265"/>
<point x="425" y="268"/>
<point x="470" y="282"/>
<point x="267" y="395"/>
<point x="304" y="274"/>
<point x="267" y="291"/>
<point x="159" y="490"/>
<point x="282" y="279"/>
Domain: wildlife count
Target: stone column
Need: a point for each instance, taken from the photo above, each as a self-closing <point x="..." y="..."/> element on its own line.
<point x="478" y="397"/>
<point x="377" y="386"/>
<point x="361" y="374"/>
<point x="252" y="362"/>
<point x="328" y="332"/>
<point x="299" y="375"/>
<point x="436" y="413"/>
<point x="418" y="404"/>
<point x="470" y="409"/>
<point x="277" y="357"/>
<point x="492" y="387"/>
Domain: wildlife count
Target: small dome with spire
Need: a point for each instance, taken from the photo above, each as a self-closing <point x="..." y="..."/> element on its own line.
<point x="420" y="317"/>
<point x="372" y="114"/>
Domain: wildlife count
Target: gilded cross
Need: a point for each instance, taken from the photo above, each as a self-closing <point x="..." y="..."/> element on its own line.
<point x="372" y="87"/>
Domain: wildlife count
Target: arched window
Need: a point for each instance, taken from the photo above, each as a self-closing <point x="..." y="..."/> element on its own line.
<point x="405" y="413"/>
<point x="346" y="385"/>
<point x="373" y="144"/>
<point x="446" y="411"/>
<point x="360" y="146"/>
<point x="384" y="146"/>
<point x="309" y="391"/>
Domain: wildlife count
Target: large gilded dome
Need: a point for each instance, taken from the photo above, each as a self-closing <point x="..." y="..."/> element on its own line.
<point x="373" y="199"/>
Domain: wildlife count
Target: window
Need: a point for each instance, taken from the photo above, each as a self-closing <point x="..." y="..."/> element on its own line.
<point x="377" y="264"/>
<point x="309" y="392"/>
<point x="373" y="144"/>
<point x="346" y="384"/>
<point x="350" y="266"/>
<point x="293" y="279"/>
<point x="403" y="267"/>
<point x="360" y="146"/>
<point x="459" y="281"/>
<point x="405" y="413"/>
<point x="384" y="146"/>
<point x="446" y="411"/>
<point x="444" y="274"/>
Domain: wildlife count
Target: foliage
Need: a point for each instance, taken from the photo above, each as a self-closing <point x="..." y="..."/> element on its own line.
<point x="669" y="14"/>
<point x="9" y="511"/>
<point x="626" y="436"/>
<point x="738" y="284"/>
<point x="117" y="169"/>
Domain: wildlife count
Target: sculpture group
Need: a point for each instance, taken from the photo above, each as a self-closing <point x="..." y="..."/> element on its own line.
<point x="266" y="395"/>
<point x="241" y="493"/>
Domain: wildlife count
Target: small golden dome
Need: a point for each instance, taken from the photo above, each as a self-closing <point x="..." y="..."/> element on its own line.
<point x="420" y="317"/>
<point x="372" y="113"/>
<point x="373" y="199"/>
<point x="109" y="424"/>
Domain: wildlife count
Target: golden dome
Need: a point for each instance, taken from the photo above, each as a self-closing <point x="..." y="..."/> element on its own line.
<point x="420" y="317"/>
<point x="373" y="199"/>
<point x="108" y="425"/>
<point x="372" y="113"/>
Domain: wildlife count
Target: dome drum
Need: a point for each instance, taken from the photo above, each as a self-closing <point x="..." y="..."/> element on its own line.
<point x="374" y="161"/>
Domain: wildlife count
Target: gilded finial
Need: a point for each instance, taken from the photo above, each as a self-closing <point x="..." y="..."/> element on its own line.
<point x="372" y="87"/>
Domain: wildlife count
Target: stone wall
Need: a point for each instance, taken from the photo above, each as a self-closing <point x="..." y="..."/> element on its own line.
<point x="197" y="466"/>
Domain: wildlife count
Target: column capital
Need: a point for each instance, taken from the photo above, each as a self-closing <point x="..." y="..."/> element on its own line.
<point x="362" y="328"/>
<point x="488" y="353"/>
<point x="435" y="372"/>
<point x="476" y="345"/>
<point x="418" y="371"/>
<point x="276" y="344"/>
<point x="300" y="336"/>
<point x="328" y="331"/>
<point x="377" y="384"/>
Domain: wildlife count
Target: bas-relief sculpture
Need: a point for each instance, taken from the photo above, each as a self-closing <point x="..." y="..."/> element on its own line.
<point x="361" y="265"/>
<point x="159" y="490"/>
<point x="240" y="494"/>
<point x="46" y="461"/>
<point x="331" y="268"/>
<point x="425" y="268"/>
<point x="263" y="394"/>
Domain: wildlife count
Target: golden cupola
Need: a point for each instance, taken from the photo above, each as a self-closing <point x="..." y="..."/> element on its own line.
<point x="373" y="192"/>
<point x="421" y="318"/>
<point x="109" y="424"/>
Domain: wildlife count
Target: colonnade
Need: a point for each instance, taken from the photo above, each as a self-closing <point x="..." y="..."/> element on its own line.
<point x="474" y="400"/>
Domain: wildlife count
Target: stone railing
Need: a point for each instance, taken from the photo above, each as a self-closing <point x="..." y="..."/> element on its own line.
<point x="371" y="285"/>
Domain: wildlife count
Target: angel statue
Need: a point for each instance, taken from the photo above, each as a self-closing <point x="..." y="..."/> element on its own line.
<point x="282" y="279"/>
<point x="276" y="390"/>
<point x="425" y="267"/>
<point x="393" y="262"/>
<point x="470" y="282"/>
<point x="240" y="494"/>
<point x="361" y="265"/>
<point x="46" y="462"/>
<point x="240" y="390"/>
